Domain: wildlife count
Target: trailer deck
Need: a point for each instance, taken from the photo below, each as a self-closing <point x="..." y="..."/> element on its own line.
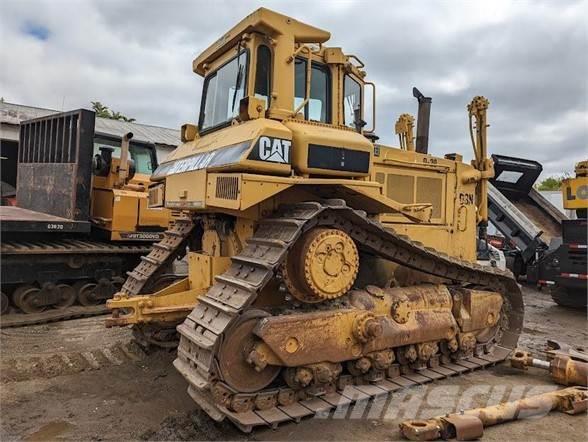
<point x="17" y="219"/>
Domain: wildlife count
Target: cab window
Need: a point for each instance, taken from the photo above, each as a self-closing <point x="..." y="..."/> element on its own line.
<point x="143" y="156"/>
<point x="351" y="101"/>
<point x="317" y="108"/>
<point x="263" y="74"/>
<point x="223" y="89"/>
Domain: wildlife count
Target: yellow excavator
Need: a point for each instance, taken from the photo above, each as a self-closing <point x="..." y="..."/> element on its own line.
<point x="324" y="266"/>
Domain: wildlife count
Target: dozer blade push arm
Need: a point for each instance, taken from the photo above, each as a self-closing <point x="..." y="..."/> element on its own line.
<point x="566" y="365"/>
<point x="469" y="424"/>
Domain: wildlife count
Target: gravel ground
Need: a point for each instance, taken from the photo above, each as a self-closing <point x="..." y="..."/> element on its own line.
<point x="76" y="380"/>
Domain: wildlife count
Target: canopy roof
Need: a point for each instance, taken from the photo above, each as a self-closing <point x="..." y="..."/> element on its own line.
<point x="265" y="21"/>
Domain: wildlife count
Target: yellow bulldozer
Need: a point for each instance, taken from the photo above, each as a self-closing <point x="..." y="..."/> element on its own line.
<point x="81" y="221"/>
<point x="324" y="267"/>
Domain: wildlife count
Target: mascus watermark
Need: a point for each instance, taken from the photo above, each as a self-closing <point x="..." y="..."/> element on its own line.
<point x="424" y="401"/>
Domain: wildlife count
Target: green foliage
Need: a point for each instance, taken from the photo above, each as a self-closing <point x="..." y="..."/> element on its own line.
<point x="104" y="112"/>
<point x="550" y="183"/>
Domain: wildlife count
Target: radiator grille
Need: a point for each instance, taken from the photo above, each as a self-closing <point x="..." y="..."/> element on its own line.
<point x="400" y="188"/>
<point x="429" y="190"/>
<point x="227" y="187"/>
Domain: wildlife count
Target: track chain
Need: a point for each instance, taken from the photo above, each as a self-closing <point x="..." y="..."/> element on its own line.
<point x="161" y="253"/>
<point x="148" y="270"/>
<point x="12" y="320"/>
<point x="235" y="290"/>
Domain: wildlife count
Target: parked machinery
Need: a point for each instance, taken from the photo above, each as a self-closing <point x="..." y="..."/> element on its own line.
<point x="569" y="260"/>
<point x="304" y="283"/>
<point x="543" y="245"/>
<point x="81" y="219"/>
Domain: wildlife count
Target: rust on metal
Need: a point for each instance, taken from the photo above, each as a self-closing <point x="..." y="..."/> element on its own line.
<point x="302" y="341"/>
<point x="567" y="365"/>
<point x="469" y="424"/>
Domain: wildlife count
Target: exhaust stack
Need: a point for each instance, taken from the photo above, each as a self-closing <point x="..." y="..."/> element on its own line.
<point x="124" y="166"/>
<point x="424" y="114"/>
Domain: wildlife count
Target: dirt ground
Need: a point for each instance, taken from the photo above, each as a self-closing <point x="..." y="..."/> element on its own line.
<point x="76" y="380"/>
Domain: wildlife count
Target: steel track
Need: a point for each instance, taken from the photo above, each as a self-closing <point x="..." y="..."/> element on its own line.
<point x="12" y="320"/>
<point x="167" y="251"/>
<point x="251" y="270"/>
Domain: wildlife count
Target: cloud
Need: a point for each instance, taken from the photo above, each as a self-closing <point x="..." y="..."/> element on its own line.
<point x="528" y="58"/>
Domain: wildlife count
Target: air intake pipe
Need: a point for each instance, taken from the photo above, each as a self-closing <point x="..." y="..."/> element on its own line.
<point x="424" y="114"/>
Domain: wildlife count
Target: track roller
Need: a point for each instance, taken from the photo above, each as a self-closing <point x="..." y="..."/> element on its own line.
<point x="85" y="292"/>
<point x="26" y="297"/>
<point x="67" y="296"/>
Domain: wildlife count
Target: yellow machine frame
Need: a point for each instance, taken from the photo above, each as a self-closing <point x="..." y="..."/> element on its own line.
<point x="439" y="201"/>
<point x="575" y="190"/>
<point x="120" y="202"/>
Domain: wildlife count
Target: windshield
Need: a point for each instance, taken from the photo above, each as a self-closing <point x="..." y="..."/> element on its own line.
<point x="142" y="155"/>
<point x="223" y="90"/>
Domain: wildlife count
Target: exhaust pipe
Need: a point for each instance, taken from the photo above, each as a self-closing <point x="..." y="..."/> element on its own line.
<point x="123" y="168"/>
<point x="424" y="114"/>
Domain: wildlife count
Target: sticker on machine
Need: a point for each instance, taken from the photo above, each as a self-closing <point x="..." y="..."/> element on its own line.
<point x="142" y="236"/>
<point x="270" y="149"/>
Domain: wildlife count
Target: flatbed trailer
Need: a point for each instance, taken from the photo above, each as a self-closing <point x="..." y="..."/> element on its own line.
<point x="15" y="219"/>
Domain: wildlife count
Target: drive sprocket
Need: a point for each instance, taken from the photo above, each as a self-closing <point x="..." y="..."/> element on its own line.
<point x="322" y="266"/>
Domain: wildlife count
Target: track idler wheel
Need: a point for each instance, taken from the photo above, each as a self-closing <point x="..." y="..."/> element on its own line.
<point x="27" y="298"/>
<point x="238" y="367"/>
<point x="4" y="303"/>
<point x="322" y="265"/>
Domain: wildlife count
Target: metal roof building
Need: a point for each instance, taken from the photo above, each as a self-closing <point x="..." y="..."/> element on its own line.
<point x="11" y="115"/>
<point x="164" y="139"/>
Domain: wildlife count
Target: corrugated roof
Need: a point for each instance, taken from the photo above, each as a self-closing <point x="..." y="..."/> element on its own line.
<point x="11" y="113"/>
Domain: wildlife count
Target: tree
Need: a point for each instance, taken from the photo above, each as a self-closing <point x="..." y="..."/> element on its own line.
<point x="101" y="110"/>
<point x="104" y="112"/>
<point x="550" y="183"/>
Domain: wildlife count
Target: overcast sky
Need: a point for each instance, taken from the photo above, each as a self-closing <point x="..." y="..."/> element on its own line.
<point x="528" y="57"/>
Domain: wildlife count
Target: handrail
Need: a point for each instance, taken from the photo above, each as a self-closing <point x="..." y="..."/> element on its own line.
<point x="373" y="128"/>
